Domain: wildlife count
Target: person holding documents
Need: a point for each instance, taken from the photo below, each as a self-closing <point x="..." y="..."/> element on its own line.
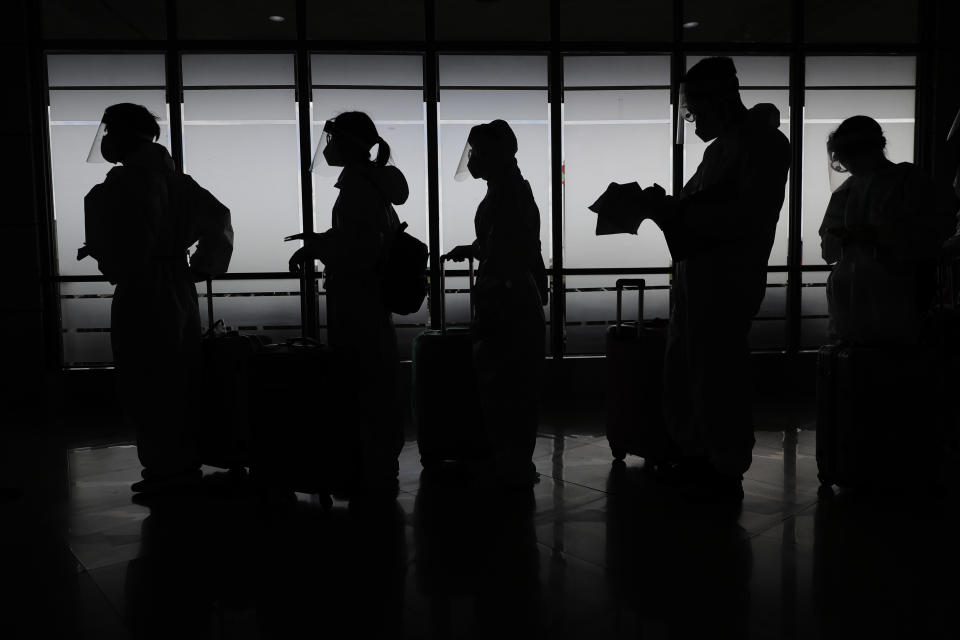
<point x="720" y="231"/>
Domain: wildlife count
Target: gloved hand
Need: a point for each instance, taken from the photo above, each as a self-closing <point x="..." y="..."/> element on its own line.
<point x="459" y="253"/>
<point x="656" y="205"/>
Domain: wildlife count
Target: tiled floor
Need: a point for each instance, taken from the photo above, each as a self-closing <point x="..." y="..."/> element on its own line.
<point x="593" y="551"/>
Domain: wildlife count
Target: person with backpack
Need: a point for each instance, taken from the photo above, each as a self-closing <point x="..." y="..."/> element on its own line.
<point x="359" y="320"/>
<point x="511" y="289"/>
<point x="140" y="223"/>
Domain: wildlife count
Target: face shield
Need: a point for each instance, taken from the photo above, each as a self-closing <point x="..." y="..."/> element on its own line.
<point x="836" y="172"/>
<point x="319" y="164"/>
<point x="463" y="170"/>
<point x="95" y="154"/>
<point x="328" y="159"/>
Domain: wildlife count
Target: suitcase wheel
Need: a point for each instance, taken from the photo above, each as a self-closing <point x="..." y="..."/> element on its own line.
<point x="619" y="455"/>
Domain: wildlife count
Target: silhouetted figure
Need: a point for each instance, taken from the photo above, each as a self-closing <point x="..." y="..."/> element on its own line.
<point x="509" y="295"/>
<point x="720" y="230"/>
<point x="140" y="223"/>
<point x="883" y="231"/>
<point x="359" y="321"/>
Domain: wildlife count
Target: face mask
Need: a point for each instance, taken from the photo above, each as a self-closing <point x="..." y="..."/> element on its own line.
<point x="331" y="154"/>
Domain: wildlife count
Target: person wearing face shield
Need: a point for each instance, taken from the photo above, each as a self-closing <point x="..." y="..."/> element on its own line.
<point x="140" y="224"/>
<point x="883" y="231"/>
<point x="509" y="294"/>
<point x="359" y="322"/>
<point x="720" y="230"/>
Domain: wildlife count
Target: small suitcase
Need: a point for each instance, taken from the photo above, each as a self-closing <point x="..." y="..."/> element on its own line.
<point x="224" y="438"/>
<point x="877" y="417"/>
<point x="635" y="356"/>
<point x="445" y="402"/>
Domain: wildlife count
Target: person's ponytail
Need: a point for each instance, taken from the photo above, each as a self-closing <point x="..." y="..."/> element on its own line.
<point x="383" y="152"/>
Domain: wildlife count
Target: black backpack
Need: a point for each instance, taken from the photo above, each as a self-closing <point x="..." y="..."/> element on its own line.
<point x="404" y="270"/>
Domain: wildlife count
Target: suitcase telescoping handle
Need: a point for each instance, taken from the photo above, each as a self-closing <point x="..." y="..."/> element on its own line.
<point x="641" y="285"/>
<point x="443" y="292"/>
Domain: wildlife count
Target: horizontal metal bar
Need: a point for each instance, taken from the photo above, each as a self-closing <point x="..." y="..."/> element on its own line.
<point x="236" y="87"/>
<point x="110" y="87"/>
<point x="481" y="87"/>
<point x="379" y="87"/>
<point x="618" y="87"/>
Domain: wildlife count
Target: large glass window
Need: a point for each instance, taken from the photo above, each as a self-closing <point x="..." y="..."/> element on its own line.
<point x="240" y="141"/>
<point x="81" y="87"/>
<point x="616" y="128"/>
<point x="478" y="89"/>
<point x="389" y="88"/>
<point x="837" y="88"/>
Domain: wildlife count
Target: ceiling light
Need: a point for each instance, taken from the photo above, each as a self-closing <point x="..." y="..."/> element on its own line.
<point x="276" y="18"/>
<point x="691" y="25"/>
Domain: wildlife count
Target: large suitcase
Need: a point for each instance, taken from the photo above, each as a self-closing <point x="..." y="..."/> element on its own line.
<point x="299" y="412"/>
<point x="446" y="401"/>
<point x="635" y="356"/>
<point x="280" y="410"/>
<point x="878" y="423"/>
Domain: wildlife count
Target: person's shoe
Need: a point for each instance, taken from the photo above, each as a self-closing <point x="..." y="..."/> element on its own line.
<point x="174" y="483"/>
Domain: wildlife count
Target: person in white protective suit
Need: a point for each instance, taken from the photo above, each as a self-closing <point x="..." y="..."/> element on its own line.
<point x="509" y="327"/>
<point x="140" y="224"/>
<point x="883" y="231"/>
<point x="359" y="322"/>
<point x="720" y="230"/>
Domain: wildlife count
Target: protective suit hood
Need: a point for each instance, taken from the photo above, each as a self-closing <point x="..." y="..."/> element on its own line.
<point x="153" y="156"/>
<point x="388" y="179"/>
<point x="763" y="115"/>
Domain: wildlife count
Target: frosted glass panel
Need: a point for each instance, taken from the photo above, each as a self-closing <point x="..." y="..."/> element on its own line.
<point x="853" y="71"/>
<point x="613" y="135"/>
<point x="495" y="71"/>
<point x="826" y="108"/>
<point x="596" y="155"/>
<point x="840" y="104"/>
<point x="253" y="169"/>
<point x="757" y="71"/>
<point x="88" y="105"/>
<point x="239" y="104"/>
<point x="486" y="105"/>
<point x="237" y="69"/>
<point x="598" y="71"/>
<point x="624" y="105"/>
<point x="243" y="145"/>
<point x="379" y="104"/>
<point x="392" y="70"/>
<point x="105" y="70"/>
<point x="85" y="322"/>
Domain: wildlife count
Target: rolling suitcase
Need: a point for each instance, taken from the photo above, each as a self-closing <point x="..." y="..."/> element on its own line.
<point x="446" y="403"/>
<point x="635" y="356"/>
<point x="299" y="412"/>
<point x="877" y="421"/>
<point x="224" y="437"/>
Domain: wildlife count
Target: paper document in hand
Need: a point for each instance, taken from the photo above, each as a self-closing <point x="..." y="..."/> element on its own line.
<point x="620" y="209"/>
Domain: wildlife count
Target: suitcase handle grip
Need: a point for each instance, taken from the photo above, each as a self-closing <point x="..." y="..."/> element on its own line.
<point x="443" y="292"/>
<point x="641" y="285"/>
